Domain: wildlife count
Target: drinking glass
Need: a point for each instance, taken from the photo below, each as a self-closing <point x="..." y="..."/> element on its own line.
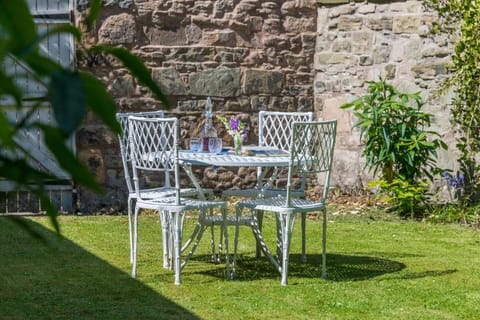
<point x="215" y="145"/>
<point x="195" y="144"/>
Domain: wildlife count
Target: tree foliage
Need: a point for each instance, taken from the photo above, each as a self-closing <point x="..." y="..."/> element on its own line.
<point x="460" y="19"/>
<point x="70" y="93"/>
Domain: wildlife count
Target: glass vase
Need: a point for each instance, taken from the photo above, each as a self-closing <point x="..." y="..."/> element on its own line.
<point x="237" y="145"/>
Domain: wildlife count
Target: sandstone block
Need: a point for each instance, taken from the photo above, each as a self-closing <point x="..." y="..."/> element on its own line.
<point x="406" y="24"/>
<point x="366" y="60"/>
<point x="380" y="22"/>
<point x="324" y="58"/>
<point x="219" y="37"/>
<point x="429" y="70"/>
<point x="193" y="34"/>
<point x="340" y="11"/>
<point x="413" y="6"/>
<point x="390" y="70"/>
<point x="366" y="8"/>
<point x="349" y="23"/>
<point x="397" y="6"/>
<point x="362" y="41"/>
<point x="299" y="25"/>
<point x="122" y="85"/>
<point x="381" y="54"/>
<point x="341" y="45"/>
<point x="169" y="81"/>
<point x="118" y="29"/>
<point x="262" y="81"/>
<point x="413" y="48"/>
<point x="223" y="82"/>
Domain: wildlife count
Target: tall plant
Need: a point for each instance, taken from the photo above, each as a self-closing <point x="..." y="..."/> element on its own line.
<point x="460" y="20"/>
<point x="397" y="143"/>
<point x="70" y="93"/>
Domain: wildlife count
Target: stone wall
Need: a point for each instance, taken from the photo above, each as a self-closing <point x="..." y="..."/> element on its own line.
<point x="248" y="55"/>
<point x="252" y="55"/>
<point x="364" y="40"/>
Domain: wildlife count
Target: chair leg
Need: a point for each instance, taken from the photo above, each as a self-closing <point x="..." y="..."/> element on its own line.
<point x="324" y="244"/>
<point x="238" y="212"/>
<point x="135" y="239"/>
<point x="130" y="237"/>
<point x="225" y="237"/>
<point x="279" y="231"/>
<point x="215" y="259"/>
<point x="177" y="241"/>
<point x="259" y="214"/>
<point x="286" y="224"/>
<point x="164" y="219"/>
<point x="303" y="258"/>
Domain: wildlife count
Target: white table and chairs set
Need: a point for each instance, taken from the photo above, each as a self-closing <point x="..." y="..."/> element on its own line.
<point x="149" y="147"/>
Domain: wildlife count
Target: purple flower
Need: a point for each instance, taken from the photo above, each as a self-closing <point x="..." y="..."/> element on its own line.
<point x="234" y="123"/>
<point x="456" y="181"/>
<point x="244" y="135"/>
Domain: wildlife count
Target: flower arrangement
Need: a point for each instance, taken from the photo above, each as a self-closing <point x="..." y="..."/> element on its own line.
<point x="236" y="129"/>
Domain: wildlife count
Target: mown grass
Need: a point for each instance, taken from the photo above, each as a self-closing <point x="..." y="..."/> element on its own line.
<point x="377" y="269"/>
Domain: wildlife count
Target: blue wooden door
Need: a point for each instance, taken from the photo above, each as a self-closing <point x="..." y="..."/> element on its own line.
<point x="47" y="14"/>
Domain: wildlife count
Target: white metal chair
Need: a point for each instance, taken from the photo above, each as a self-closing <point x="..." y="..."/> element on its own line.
<point x="148" y="193"/>
<point x="154" y="149"/>
<point x="311" y="152"/>
<point x="274" y="130"/>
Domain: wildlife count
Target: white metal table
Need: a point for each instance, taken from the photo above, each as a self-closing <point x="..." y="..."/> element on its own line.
<point x="266" y="157"/>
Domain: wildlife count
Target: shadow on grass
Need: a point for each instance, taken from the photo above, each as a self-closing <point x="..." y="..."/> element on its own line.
<point x="340" y="267"/>
<point x="60" y="280"/>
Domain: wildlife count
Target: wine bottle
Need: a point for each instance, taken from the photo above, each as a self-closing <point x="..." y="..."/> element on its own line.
<point x="209" y="130"/>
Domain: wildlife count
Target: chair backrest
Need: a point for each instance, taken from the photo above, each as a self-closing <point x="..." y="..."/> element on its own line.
<point x="122" y="118"/>
<point x="312" y="149"/>
<point x="275" y="128"/>
<point x="153" y="147"/>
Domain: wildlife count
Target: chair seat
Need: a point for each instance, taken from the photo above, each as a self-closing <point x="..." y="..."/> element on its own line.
<point x="167" y="192"/>
<point x="278" y="204"/>
<point x="253" y="193"/>
<point x="170" y="203"/>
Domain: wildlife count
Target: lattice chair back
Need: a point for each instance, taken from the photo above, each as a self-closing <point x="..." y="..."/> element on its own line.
<point x="312" y="153"/>
<point x="122" y="118"/>
<point x="154" y="147"/>
<point x="275" y="128"/>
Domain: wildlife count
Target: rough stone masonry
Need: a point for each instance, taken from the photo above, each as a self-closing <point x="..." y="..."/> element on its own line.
<point x="251" y="55"/>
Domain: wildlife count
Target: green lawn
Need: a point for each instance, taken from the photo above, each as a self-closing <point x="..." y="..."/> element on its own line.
<point x="378" y="269"/>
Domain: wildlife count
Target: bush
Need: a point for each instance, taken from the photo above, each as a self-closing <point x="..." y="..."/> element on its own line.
<point x="397" y="144"/>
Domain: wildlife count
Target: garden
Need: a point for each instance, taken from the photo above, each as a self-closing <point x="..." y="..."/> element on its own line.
<point x="397" y="250"/>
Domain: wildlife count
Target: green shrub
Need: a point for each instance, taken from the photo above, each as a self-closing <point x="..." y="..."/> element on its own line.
<point x="397" y="144"/>
<point x="403" y="196"/>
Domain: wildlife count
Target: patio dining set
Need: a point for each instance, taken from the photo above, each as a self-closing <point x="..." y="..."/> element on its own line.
<point x="149" y="146"/>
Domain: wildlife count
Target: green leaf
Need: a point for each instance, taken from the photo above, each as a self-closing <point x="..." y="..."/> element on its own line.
<point x="100" y="101"/>
<point x="55" y="141"/>
<point x="62" y="28"/>
<point x="16" y="19"/>
<point x="19" y="171"/>
<point x="41" y="65"/>
<point x="9" y="88"/>
<point x="136" y="67"/>
<point x="94" y="12"/>
<point x="48" y="206"/>
<point x="68" y="101"/>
